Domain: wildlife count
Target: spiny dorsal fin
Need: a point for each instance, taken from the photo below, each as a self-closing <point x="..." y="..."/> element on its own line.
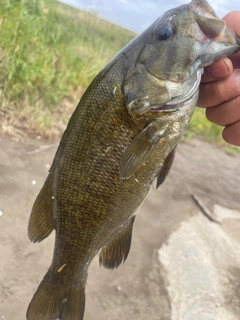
<point x="164" y="171"/>
<point x="117" y="250"/>
<point x="139" y="150"/>
<point x="41" y="219"/>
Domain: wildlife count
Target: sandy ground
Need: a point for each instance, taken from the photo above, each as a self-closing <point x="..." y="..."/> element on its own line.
<point x="181" y="265"/>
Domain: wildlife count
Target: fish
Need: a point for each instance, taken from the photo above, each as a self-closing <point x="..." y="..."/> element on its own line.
<point x="120" y="139"/>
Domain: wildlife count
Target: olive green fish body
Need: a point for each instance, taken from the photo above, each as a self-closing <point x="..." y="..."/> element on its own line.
<point x="122" y="136"/>
<point x="92" y="202"/>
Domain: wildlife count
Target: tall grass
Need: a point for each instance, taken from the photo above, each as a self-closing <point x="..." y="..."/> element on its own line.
<point x="202" y="128"/>
<point x="49" y="51"/>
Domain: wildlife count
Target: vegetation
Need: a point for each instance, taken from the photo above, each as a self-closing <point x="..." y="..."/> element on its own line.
<point x="49" y="53"/>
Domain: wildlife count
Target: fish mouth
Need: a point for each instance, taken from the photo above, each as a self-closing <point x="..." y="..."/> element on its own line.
<point x="165" y="107"/>
<point x="179" y="93"/>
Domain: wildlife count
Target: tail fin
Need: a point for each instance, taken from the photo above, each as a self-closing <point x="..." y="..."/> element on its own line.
<point x="53" y="302"/>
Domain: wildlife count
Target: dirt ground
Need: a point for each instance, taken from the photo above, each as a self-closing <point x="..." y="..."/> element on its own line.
<point x="181" y="265"/>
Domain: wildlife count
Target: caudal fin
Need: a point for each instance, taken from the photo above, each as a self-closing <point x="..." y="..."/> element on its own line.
<point x="52" y="302"/>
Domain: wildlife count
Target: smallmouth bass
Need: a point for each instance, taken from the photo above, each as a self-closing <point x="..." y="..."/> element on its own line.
<point x="122" y="136"/>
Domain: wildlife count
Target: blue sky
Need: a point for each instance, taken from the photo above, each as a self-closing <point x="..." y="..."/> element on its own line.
<point x="137" y="15"/>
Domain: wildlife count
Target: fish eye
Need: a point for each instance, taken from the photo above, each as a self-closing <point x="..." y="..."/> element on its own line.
<point x="165" y="32"/>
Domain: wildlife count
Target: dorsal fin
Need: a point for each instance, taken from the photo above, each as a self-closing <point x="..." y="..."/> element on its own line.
<point x="116" y="252"/>
<point x="41" y="219"/>
<point x="165" y="168"/>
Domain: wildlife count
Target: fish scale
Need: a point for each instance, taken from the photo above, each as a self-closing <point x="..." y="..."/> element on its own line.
<point x="85" y="188"/>
<point x="122" y="135"/>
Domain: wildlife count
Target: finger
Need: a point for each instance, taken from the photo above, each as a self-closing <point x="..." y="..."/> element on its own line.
<point x="226" y="113"/>
<point x="231" y="134"/>
<point x="232" y="21"/>
<point x="215" y="93"/>
<point x="235" y="60"/>
<point x="220" y="69"/>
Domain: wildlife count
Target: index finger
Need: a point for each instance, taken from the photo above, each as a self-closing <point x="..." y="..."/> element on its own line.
<point x="223" y="68"/>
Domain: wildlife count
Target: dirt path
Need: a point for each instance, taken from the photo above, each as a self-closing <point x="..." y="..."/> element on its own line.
<point x="181" y="265"/>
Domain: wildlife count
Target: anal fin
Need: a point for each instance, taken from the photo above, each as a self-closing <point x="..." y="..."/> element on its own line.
<point x="116" y="252"/>
<point x="41" y="219"/>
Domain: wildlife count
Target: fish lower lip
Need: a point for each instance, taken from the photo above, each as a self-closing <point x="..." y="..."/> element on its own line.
<point x="166" y="107"/>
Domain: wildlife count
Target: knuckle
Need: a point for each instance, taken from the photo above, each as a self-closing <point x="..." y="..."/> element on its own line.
<point x="237" y="106"/>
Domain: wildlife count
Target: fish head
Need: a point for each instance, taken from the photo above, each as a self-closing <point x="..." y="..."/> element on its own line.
<point x="167" y="60"/>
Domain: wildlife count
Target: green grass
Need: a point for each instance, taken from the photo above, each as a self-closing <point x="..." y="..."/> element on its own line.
<point x="49" y="53"/>
<point x="200" y="126"/>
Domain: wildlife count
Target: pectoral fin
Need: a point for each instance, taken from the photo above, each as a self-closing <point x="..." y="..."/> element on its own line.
<point x="40" y="223"/>
<point x="117" y="250"/>
<point x="139" y="151"/>
<point x="165" y="168"/>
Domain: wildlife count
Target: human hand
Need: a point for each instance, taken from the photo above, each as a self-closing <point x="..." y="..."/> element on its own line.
<point x="220" y="89"/>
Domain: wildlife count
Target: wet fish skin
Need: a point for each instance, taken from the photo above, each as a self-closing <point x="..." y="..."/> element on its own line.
<point x="126" y="125"/>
